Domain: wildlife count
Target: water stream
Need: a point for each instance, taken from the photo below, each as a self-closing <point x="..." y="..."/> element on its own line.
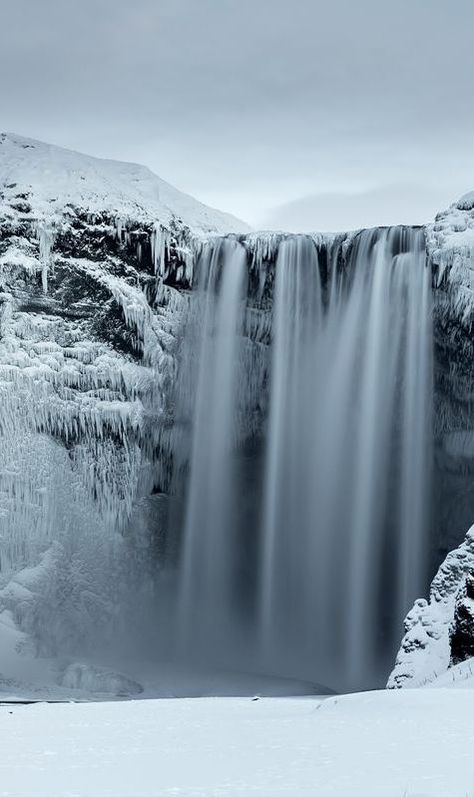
<point x="302" y="544"/>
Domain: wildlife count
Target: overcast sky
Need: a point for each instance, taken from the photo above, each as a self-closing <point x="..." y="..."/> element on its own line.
<point x="290" y="113"/>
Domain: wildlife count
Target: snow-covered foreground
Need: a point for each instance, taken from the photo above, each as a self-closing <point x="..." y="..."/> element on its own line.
<point x="404" y="743"/>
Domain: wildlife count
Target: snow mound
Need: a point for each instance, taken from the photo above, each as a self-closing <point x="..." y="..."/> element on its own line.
<point x="49" y="179"/>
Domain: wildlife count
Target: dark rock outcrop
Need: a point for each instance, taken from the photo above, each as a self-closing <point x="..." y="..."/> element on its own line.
<point x="462" y="629"/>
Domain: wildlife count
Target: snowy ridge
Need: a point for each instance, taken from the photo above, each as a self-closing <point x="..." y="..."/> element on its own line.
<point x="57" y="179"/>
<point x="46" y="190"/>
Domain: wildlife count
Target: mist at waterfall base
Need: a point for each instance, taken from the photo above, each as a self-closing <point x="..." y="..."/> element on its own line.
<point x="303" y="449"/>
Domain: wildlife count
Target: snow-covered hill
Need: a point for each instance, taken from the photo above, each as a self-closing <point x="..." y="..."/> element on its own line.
<point x="54" y="178"/>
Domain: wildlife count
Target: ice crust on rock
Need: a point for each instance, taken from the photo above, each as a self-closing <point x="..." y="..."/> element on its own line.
<point x="450" y="245"/>
<point x="425" y="651"/>
<point x="426" y="654"/>
<point x="87" y="338"/>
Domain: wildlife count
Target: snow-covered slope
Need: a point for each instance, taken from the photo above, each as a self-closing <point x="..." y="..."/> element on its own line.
<point x="54" y="178"/>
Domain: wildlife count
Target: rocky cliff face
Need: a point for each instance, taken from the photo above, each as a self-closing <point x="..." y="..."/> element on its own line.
<point x="450" y="244"/>
<point x="432" y="640"/>
<point x="440" y="630"/>
<point x="89" y="251"/>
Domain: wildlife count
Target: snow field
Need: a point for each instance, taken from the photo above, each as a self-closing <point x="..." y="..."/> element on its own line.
<point x="404" y="743"/>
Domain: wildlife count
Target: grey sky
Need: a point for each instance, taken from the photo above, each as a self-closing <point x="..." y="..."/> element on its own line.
<point x="254" y="104"/>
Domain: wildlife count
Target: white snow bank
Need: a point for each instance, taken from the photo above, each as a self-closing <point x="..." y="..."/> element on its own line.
<point x="382" y="744"/>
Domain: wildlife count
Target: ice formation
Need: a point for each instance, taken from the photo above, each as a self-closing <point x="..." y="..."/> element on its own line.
<point x="87" y="334"/>
<point x="425" y="651"/>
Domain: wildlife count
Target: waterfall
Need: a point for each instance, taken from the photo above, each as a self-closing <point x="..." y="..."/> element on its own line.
<point x="206" y="573"/>
<point x="314" y="578"/>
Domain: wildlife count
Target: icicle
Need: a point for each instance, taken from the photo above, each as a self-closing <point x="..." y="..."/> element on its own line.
<point x="119" y="226"/>
<point x="45" y="235"/>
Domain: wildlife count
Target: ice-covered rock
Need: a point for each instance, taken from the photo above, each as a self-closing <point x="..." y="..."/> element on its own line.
<point x="450" y="244"/>
<point x="438" y="632"/>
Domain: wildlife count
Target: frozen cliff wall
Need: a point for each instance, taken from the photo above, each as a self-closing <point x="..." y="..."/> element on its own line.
<point x="87" y="334"/>
<point x="450" y="247"/>
<point x="450" y="243"/>
<point x="439" y="632"/>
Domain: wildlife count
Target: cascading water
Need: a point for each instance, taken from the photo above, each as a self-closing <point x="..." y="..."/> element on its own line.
<point x="206" y="589"/>
<point x="348" y="451"/>
<point x="314" y="579"/>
